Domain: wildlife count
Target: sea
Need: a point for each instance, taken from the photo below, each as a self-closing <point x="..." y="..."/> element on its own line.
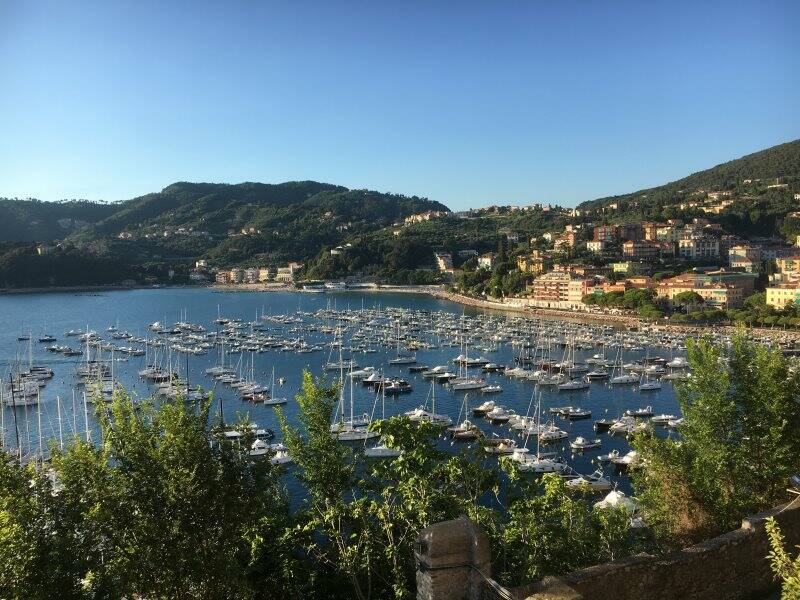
<point x="60" y="414"/>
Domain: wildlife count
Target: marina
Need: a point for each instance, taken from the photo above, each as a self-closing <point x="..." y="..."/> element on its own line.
<point x="553" y="396"/>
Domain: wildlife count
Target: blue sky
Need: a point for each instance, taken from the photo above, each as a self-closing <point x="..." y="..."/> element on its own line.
<point x="466" y="103"/>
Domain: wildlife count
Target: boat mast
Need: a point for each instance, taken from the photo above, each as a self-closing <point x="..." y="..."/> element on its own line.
<point x="39" y="426"/>
<point x="14" y="413"/>
<point x="86" y="433"/>
<point x="2" y="418"/>
<point x="60" y="430"/>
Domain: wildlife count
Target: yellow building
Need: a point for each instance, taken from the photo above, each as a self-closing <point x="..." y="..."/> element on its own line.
<point x="789" y="264"/>
<point x="534" y="263"/>
<point x="780" y="296"/>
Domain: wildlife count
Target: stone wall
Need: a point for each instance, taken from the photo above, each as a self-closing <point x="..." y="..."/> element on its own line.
<point x="453" y="564"/>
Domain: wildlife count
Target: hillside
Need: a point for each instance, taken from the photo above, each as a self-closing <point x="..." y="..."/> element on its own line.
<point x="762" y="168"/>
<point x="396" y="254"/>
<point x="256" y="222"/>
<point x="33" y="220"/>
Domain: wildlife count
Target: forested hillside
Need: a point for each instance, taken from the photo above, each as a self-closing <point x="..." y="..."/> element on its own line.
<point x="32" y="220"/>
<point x="746" y="174"/>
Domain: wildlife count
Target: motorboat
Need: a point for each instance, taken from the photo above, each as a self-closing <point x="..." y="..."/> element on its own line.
<point x="630" y="460"/>
<point x="491" y="389"/>
<point x="484" y="408"/>
<point x="580" y="444"/>
<point x="662" y="419"/>
<point x="596" y="482"/>
<point x="495" y="445"/>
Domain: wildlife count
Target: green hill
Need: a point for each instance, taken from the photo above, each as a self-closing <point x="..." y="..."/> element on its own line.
<point x="762" y="168"/>
<point x="33" y="220"/>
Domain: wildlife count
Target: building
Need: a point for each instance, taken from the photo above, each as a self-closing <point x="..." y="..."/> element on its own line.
<point x="201" y="264"/>
<point x="596" y="246"/>
<point x="444" y="261"/>
<point x="222" y="277"/>
<point x="630" y="283"/>
<point x="649" y="230"/>
<point x="581" y="270"/>
<point x="426" y="216"/>
<point x="251" y="275"/>
<point x="629" y="267"/>
<point x="746" y="281"/>
<point x="714" y="293"/>
<point x="604" y="233"/>
<point x="286" y="274"/>
<point x="237" y="275"/>
<point x="669" y="233"/>
<point x="745" y="251"/>
<point x="536" y="262"/>
<point x="644" y="249"/>
<point x="770" y="252"/>
<point x="782" y="295"/>
<point x="630" y="231"/>
<point x="788" y="266"/>
<point x="487" y="261"/>
<point x="558" y="290"/>
<point x="264" y="274"/>
<point x="745" y="264"/>
<point x="698" y="248"/>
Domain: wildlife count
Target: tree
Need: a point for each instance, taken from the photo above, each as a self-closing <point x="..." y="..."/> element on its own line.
<point x="740" y="441"/>
<point x="783" y="565"/>
<point x="550" y="532"/>
<point x="366" y="516"/>
<point x="160" y="508"/>
<point x="688" y="300"/>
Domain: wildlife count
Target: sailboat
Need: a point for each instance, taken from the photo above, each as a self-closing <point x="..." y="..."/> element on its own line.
<point x="273" y="401"/>
<point x="402" y="359"/>
<point x="382" y="449"/>
<point x="352" y="429"/>
<point x="540" y="463"/>
<point x="420" y="414"/>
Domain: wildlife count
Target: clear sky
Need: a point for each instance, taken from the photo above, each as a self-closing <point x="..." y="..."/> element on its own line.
<point x="469" y="103"/>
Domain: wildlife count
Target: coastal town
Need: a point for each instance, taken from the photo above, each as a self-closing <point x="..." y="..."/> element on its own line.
<point x="400" y="301"/>
<point x="692" y="264"/>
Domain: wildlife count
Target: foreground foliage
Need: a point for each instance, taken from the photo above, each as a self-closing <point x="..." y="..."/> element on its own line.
<point x="740" y="442"/>
<point x="163" y="506"/>
<point x="786" y="568"/>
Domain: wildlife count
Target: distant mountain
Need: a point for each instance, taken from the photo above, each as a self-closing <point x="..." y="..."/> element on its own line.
<point x="231" y="224"/>
<point x="777" y="162"/>
<point x="33" y="220"/>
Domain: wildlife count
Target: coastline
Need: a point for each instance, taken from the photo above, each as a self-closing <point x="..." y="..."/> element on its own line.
<point x="620" y="320"/>
<point x="78" y="289"/>
<point x="434" y="291"/>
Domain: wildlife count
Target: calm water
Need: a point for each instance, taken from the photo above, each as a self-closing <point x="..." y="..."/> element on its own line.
<point x="56" y="313"/>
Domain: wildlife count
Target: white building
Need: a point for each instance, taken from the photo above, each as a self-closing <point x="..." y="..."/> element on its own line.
<point x="698" y="248"/>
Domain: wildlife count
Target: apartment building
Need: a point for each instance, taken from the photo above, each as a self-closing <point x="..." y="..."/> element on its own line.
<point x="644" y="249"/>
<point x="596" y="246"/>
<point x="697" y="248"/>
<point x="782" y="295"/>
<point x="716" y="294"/>
<point x="444" y="262"/>
<point x="604" y="233"/>
<point x="536" y="262"/>
<point x="558" y="289"/>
